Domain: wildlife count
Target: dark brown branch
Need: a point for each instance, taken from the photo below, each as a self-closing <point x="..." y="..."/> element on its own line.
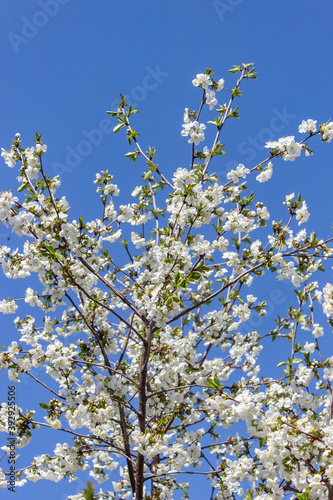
<point x="121" y="409"/>
<point x="145" y="352"/>
<point x="113" y="289"/>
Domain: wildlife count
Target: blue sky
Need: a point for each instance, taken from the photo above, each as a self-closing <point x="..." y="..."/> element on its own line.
<point x="64" y="63"/>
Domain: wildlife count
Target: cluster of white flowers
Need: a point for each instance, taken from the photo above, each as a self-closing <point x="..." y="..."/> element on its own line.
<point x="129" y="213"/>
<point x="240" y="173"/>
<point x="328" y="300"/>
<point x="266" y="173"/>
<point x="237" y="222"/>
<point x="202" y="80"/>
<point x="287" y="147"/>
<point x="302" y="214"/>
<point x="326" y="130"/>
<point x="195" y="131"/>
<point x="211" y="99"/>
<point x="9" y="157"/>
<point x="308" y="126"/>
<point x="200" y="206"/>
<point x="6" y="201"/>
<point x="137" y="240"/>
<point x="32" y="160"/>
<point x="8" y="306"/>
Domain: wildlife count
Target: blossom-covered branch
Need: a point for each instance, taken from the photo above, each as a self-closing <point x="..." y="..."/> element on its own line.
<point x="156" y="359"/>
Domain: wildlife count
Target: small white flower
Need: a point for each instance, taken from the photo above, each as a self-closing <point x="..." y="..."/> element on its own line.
<point x="220" y="85"/>
<point x="302" y="214"/>
<point x="307" y="126"/>
<point x="289" y="199"/>
<point x="309" y="348"/>
<point x="211" y="99"/>
<point x="41" y="147"/>
<point x="251" y="298"/>
<point x="317" y="330"/>
<point x="328" y="300"/>
<point x="186" y="116"/>
<point x="326" y="131"/>
<point x="126" y="213"/>
<point x="8" y="156"/>
<point x="111" y="189"/>
<point x="136" y="191"/>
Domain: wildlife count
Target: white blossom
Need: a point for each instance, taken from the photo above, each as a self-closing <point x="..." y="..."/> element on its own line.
<point x="308" y="126"/>
<point x="302" y="214"/>
<point x="202" y="80"/>
<point x="266" y="174"/>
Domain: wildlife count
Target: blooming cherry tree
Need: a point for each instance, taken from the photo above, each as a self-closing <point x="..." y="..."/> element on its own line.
<point x="150" y="361"/>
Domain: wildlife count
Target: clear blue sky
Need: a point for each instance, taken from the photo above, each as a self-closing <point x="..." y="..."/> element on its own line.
<point x="64" y="63"/>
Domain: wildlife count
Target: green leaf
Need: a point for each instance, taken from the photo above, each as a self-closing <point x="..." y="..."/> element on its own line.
<point x="313" y="239"/>
<point x="60" y="257"/>
<point x="105" y="253"/>
<point x="169" y="301"/>
<point x="233" y="113"/>
<point x="248" y="495"/>
<point x="214" y="383"/>
<point x="132" y="155"/>
<point x="88" y="493"/>
<point x="148" y="174"/>
<point x="251" y="74"/>
<point x="118" y="127"/>
<point x="174" y="299"/>
<point x="218" y="150"/>
<point x="158" y="185"/>
<point x="178" y="301"/>
<point x="81" y="223"/>
<point x="235" y="69"/>
<point x="236" y="92"/>
<point x="44" y="406"/>
<point x="22" y="188"/>
<point x="216" y="122"/>
<point x="50" y="249"/>
<point x="132" y="111"/>
<point x="194" y="276"/>
<point x="302" y="496"/>
<point x="152" y="165"/>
